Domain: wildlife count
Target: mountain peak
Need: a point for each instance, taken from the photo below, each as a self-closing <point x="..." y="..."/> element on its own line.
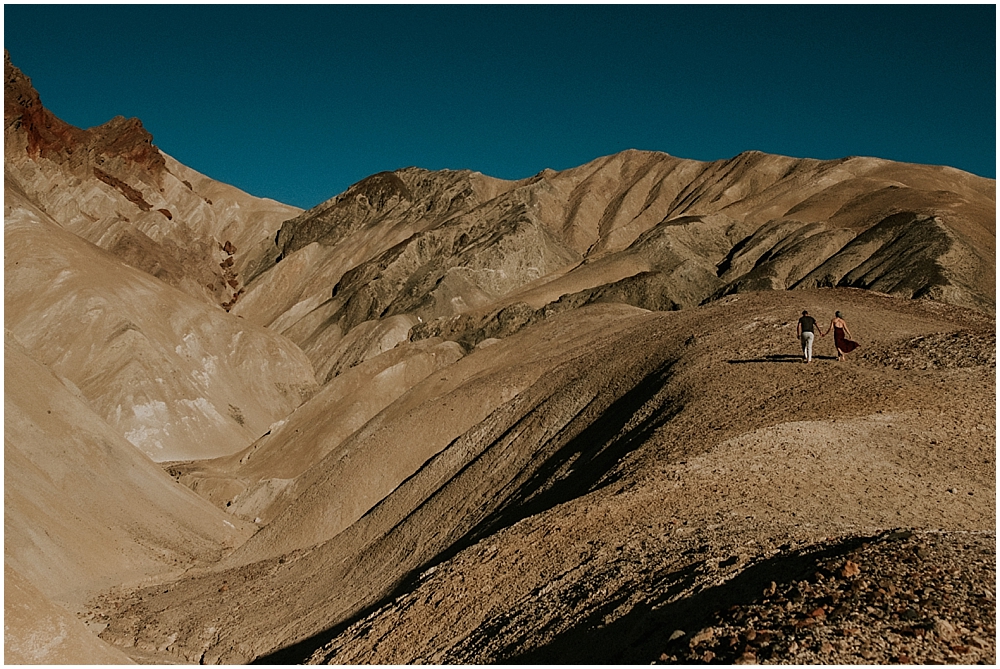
<point x="127" y="139"/>
<point x="31" y="128"/>
<point x="25" y="119"/>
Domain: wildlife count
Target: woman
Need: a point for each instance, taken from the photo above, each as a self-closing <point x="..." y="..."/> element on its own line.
<point x="840" y="337"/>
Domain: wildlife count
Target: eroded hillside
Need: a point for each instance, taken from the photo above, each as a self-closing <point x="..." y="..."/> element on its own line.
<point x="448" y="252"/>
<point x="443" y="417"/>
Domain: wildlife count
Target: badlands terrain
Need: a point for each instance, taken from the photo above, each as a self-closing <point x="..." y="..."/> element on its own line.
<point x="447" y="418"/>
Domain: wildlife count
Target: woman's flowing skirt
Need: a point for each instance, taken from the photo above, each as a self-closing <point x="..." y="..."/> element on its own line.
<point x="843" y="343"/>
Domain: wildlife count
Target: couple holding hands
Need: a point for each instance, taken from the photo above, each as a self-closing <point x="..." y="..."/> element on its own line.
<point x="806" y="333"/>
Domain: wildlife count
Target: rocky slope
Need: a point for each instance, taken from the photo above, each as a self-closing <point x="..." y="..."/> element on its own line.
<point x="922" y="598"/>
<point x="451" y="418"/>
<point x="600" y="466"/>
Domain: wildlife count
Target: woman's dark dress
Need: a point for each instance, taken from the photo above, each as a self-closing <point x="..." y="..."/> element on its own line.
<point x="843" y="343"/>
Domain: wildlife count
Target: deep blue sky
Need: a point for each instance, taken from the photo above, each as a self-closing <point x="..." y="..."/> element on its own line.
<point x="297" y="103"/>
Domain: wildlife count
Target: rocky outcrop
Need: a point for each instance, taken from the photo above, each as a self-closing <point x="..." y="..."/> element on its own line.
<point x="119" y="145"/>
<point x="25" y="119"/>
<point x="131" y="194"/>
<point x="111" y="185"/>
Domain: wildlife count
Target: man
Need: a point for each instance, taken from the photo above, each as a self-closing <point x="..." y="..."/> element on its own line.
<point x="806" y="333"/>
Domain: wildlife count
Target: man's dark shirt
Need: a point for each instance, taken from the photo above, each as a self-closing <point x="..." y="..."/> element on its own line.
<point x="807" y="323"/>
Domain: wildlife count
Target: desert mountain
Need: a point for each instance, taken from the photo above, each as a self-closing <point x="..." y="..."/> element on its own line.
<point x="452" y="418"/>
<point x="108" y="369"/>
<point x="465" y="256"/>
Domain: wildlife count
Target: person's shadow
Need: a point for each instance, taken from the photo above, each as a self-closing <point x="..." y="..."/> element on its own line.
<point x="780" y="357"/>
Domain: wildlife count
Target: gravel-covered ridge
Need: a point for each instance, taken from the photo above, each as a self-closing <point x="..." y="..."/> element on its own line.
<point x="898" y="597"/>
<point x="945" y="350"/>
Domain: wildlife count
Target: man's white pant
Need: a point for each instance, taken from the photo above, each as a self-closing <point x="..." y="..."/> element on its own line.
<point x="807" y="345"/>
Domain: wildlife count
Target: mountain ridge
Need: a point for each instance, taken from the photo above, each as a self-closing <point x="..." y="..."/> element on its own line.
<point x="774" y="223"/>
